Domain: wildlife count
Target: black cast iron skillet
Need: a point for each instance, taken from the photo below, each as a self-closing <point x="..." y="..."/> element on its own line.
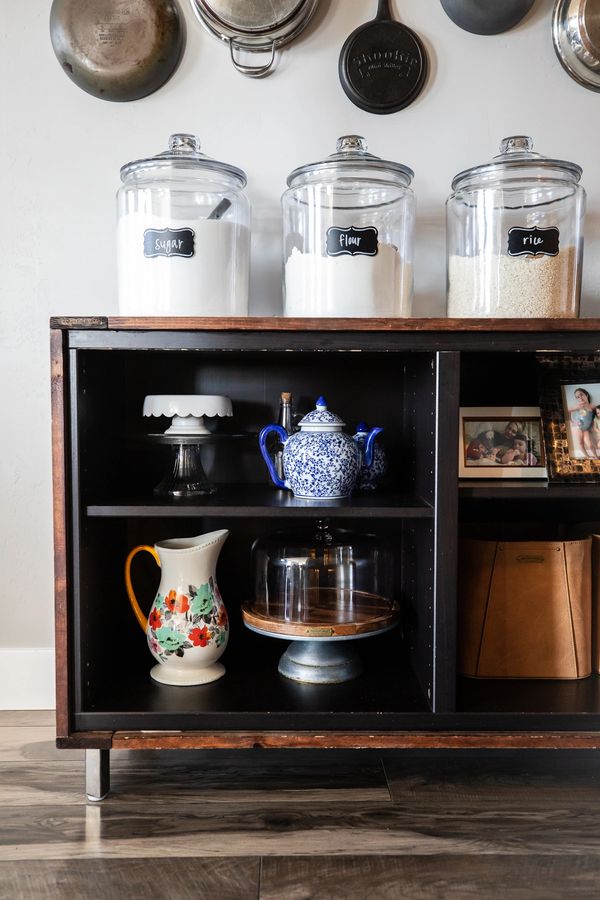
<point x="383" y="64"/>
<point x="117" y="49"/>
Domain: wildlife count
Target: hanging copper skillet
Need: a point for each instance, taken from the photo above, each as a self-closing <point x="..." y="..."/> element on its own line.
<point x="117" y="49"/>
<point x="383" y="64"/>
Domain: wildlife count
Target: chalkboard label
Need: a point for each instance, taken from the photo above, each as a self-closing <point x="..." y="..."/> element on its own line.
<point x="352" y="241"/>
<point x="168" y="242"/>
<point x="533" y="241"/>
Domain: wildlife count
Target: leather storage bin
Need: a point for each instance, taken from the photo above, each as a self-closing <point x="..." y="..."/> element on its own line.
<point x="524" y="608"/>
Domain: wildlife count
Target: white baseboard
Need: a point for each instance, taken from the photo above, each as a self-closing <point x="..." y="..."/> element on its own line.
<point x="27" y="678"/>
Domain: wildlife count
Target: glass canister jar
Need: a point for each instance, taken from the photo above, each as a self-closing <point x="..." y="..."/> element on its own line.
<point x="348" y="224"/>
<point x="514" y="236"/>
<point x="183" y="235"/>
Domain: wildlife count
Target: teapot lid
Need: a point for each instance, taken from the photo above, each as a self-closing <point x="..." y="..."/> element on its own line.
<point x="321" y="415"/>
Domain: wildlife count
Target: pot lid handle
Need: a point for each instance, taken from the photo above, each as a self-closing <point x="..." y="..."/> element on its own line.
<point x="251" y="71"/>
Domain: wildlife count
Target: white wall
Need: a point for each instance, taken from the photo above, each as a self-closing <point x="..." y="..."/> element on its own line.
<point x="61" y="153"/>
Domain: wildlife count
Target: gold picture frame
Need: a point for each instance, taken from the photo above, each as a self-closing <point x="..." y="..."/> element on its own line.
<point x="571" y="430"/>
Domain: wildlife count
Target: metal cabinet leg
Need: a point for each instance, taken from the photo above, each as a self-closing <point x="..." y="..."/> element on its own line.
<point x="97" y="774"/>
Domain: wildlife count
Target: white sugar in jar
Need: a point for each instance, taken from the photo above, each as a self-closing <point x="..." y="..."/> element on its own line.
<point x="212" y="281"/>
<point x="183" y="235"/>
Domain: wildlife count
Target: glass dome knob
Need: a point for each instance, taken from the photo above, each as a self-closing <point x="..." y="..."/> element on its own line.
<point x="351" y="143"/>
<point x="518" y="143"/>
<point x="184" y="143"/>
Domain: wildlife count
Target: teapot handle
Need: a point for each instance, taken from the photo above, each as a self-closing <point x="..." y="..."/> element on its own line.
<point x="262" y="442"/>
<point x="368" y="448"/>
<point x="129" y="587"/>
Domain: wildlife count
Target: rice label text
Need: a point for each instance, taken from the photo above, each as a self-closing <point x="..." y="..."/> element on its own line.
<point x="533" y="241"/>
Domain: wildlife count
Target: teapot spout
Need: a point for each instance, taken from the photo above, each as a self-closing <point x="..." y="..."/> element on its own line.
<point x="368" y="448"/>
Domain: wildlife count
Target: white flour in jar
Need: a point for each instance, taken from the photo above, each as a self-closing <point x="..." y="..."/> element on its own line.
<point x="349" y="286"/>
<point x="513" y="287"/>
<point x="212" y="282"/>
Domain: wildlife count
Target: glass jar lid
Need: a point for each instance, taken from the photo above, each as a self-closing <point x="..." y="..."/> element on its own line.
<point x="183" y="153"/>
<point x="517" y="159"/>
<point x="351" y="159"/>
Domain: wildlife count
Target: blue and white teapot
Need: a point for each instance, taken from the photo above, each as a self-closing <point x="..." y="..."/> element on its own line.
<point x="369" y="475"/>
<point x="320" y="462"/>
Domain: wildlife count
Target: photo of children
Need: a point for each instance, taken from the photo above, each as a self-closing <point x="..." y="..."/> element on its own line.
<point x="581" y="404"/>
<point x="500" y="442"/>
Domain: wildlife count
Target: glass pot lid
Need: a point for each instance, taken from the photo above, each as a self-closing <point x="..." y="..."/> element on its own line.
<point x="351" y="159"/>
<point x="183" y="153"/>
<point x="517" y="159"/>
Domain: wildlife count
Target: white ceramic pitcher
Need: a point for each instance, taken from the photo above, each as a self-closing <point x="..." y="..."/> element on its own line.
<point x="187" y="628"/>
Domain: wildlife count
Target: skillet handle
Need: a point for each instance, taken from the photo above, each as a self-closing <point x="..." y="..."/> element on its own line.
<point x="383" y="11"/>
<point x="251" y="71"/>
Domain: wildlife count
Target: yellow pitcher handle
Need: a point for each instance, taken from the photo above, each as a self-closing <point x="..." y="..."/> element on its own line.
<point x="130" y="592"/>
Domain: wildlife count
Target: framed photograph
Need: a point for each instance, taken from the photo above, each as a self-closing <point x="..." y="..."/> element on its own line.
<point x="501" y="442"/>
<point x="570" y="409"/>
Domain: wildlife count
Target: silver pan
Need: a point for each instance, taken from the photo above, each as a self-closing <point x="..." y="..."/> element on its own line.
<point x="117" y="49"/>
<point x="576" y="36"/>
<point x="254" y="26"/>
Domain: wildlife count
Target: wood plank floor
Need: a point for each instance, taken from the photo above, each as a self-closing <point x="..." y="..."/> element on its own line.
<point x="296" y="825"/>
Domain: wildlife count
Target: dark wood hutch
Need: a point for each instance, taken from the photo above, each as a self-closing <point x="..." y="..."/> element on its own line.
<point x="410" y="376"/>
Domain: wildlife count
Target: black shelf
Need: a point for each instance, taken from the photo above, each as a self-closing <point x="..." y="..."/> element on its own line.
<point x="509" y="489"/>
<point x="249" y="501"/>
<point x="252" y="694"/>
<point x="526" y="696"/>
<point x="387" y="697"/>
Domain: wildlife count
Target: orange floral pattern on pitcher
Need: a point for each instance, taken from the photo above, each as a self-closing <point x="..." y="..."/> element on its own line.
<point x="180" y="621"/>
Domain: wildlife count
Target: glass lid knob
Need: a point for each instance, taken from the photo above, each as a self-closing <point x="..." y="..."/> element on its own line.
<point x="518" y="143"/>
<point x="322" y="533"/>
<point x="184" y="143"/>
<point x="351" y="143"/>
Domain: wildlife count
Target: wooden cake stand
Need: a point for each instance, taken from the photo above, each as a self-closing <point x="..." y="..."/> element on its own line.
<point x="319" y="652"/>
